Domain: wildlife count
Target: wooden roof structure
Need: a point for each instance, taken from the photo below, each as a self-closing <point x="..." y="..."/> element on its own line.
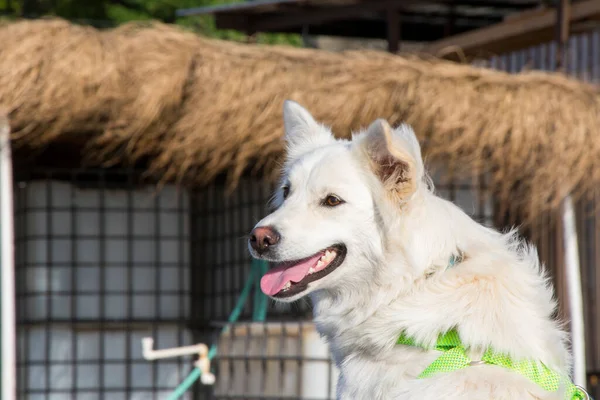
<point x="395" y="20"/>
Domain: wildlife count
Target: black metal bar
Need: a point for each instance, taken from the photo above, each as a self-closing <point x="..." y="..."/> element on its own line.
<point x="23" y="199"/>
<point x="101" y="284"/>
<point x="74" y="272"/>
<point x="241" y="225"/>
<point x="451" y="23"/>
<point x="130" y="288"/>
<point x="216" y="292"/>
<point x="183" y="271"/>
<point x="49" y="256"/>
<point x="393" y="30"/>
<point x="225" y="272"/>
<point x="562" y="34"/>
<point x="157" y="288"/>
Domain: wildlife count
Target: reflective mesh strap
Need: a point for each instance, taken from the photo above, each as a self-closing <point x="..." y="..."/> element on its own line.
<point x="454" y="358"/>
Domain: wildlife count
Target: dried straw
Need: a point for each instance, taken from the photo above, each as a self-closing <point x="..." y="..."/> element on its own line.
<point x="198" y="108"/>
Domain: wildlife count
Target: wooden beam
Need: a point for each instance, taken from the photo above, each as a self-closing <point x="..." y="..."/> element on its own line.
<point x="314" y="16"/>
<point x="510" y="35"/>
<point x="376" y="29"/>
<point x="368" y="24"/>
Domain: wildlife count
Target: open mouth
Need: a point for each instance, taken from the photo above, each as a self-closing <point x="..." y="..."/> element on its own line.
<point x="292" y="277"/>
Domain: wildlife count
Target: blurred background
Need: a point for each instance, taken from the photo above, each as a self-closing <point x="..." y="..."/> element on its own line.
<point x="145" y="139"/>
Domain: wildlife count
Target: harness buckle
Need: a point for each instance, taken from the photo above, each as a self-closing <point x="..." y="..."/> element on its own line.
<point x="584" y="392"/>
<point x="480" y="362"/>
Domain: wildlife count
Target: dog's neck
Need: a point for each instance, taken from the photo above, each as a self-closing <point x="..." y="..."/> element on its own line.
<point x="496" y="297"/>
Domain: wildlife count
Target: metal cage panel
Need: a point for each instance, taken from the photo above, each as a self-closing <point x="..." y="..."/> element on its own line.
<point x="98" y="268"/>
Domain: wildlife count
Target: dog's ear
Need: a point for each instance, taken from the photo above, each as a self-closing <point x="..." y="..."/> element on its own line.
<point x="302" y="132"/>
<point x="394" y="156"/>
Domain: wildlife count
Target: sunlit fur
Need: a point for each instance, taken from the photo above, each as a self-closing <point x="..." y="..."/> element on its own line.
<point x="395" y="277"/>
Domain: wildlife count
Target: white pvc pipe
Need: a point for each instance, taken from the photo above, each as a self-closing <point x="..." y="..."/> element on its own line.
<point x="573" y="278"/>
<point x="7" y="268"/>
<point x="200" y="349"/>
<point x="151" y="354"/>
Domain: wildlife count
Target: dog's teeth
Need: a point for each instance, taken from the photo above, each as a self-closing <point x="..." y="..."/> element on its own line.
<point x="320" y="264"/>
<point x="288" y="285"/>
<point x="329" y="255"/>
<point x="311" y="270"/>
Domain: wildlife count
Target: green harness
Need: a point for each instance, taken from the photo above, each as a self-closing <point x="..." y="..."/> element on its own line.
<point x="454" y="357"/>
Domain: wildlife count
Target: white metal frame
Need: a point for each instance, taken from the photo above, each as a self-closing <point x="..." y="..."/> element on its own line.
<point x="574" y="293"/>
<point x="8" y="380"/>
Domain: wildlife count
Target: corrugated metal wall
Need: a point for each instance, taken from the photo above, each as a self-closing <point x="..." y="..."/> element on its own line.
<point x="583" y="62"/>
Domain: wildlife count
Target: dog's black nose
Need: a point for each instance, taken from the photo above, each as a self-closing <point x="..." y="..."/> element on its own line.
<point x="263" y="237"/>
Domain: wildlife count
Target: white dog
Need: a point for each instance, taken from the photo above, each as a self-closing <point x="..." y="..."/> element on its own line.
<point x="391" y="268"/>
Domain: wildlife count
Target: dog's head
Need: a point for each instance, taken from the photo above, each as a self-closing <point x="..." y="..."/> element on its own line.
<point x="337" y="201"/>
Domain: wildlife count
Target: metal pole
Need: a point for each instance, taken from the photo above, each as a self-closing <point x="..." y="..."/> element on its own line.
<point x="573" y="278"/>
<point x="8" y="359"/>
<point x="393" y="30"/>
<point x="451" y="22"/>
<point x="563" y="22"/>
<point x="571" y="254"/>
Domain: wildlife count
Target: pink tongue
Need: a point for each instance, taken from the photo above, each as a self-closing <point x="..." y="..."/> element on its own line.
<point x="274" y="280"/>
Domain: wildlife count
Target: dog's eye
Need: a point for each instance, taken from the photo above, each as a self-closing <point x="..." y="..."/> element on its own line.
<point x="286" y="191"/>
<point x="332" y="200"/>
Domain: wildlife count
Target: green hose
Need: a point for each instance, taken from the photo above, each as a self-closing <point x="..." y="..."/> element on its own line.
<point x="259" y="313"/>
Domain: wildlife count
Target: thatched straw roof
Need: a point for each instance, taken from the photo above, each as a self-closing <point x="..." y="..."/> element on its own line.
<point x="198" y="108"/>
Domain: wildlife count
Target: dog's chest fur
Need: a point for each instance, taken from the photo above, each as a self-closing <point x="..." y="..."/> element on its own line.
<point x="362" y="331"/>
<point x="369" y="367"/>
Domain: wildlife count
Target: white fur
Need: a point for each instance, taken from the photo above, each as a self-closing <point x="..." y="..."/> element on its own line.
<point x="395" y="277"/>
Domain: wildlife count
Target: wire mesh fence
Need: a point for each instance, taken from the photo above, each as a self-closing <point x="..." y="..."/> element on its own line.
<point x="105" y="259"/>
<point x="100" y="264"/>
